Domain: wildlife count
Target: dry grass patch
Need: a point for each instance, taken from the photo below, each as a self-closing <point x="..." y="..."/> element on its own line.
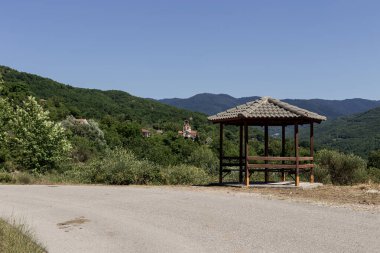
<point x="364" y="195"/>
<point x="17" y="238"/>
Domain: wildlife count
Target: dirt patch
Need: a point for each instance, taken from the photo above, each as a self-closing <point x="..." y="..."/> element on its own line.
<point x="359" y="197"/>
<point x="362" y="197"/>
<point x="72" y="223"/>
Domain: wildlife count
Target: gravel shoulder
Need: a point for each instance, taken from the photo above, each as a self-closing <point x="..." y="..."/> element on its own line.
<point x="184" y="219"/>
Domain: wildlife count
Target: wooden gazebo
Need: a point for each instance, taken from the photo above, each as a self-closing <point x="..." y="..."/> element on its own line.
<point x="267" y="112"/>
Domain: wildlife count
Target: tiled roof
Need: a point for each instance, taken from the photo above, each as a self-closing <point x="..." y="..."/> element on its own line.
<point x="266" y="108"/>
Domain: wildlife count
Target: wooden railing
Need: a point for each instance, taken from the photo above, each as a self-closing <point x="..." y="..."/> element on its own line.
<point x="288" y="162"/>
<point x="280" y="158"/>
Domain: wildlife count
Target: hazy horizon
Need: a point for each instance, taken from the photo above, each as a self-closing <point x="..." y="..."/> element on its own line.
<point x="189" y="96"/>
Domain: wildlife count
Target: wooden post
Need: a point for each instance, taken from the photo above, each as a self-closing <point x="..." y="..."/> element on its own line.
<point x="283" y="145"/>
<point x="246" y="154"/>
<point x="312" y="151"/>
<point x="221" y="154"/>
<point x="266" y="144"/>
<point x="241" y="155"/>
<point x="297" y="175"/>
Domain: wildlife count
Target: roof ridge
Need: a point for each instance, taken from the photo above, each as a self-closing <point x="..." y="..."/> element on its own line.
<point x="291" y="108"/>
<point x="252" y="105"/>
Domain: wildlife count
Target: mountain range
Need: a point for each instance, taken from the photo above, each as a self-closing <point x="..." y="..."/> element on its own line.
<point x="213" y="103"/>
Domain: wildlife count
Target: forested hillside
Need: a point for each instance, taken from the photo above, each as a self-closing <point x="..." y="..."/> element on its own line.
<point x="358" y="133"/>
<point x="63" y="100"/>
<point x="214" y="103"/>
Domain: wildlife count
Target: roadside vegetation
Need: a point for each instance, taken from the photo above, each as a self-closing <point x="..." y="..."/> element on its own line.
<point x="16" y="238"/>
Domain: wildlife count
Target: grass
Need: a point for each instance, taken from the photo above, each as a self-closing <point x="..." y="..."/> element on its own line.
<point x="17" y="238"/>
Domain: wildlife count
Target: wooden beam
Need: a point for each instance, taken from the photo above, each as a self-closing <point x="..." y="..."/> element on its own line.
<point x="279" y="166"/>
<point x="296" y="149"/>
<point x="283" y="146"/>
<point x="246" y="154"/>
<point x="312" y="150"/>
<point x="241" y="155"/>
<point x="266" y="151"/>
<point x="280" y="158"/>
<point x="221" y="153"/>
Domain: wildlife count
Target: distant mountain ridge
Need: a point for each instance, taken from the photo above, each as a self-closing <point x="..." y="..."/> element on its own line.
<point x="213" y="103"/>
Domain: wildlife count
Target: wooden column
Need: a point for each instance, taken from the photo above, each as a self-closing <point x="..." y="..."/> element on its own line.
<point x="266" y="153"/>
<point x="283" y="146"/>
<point x="221" y="153"/>
<point x="312" y="151"/>
<point x="296" y="149"/>
<point x="241" y="155"/>
<point x="246" y="154"/>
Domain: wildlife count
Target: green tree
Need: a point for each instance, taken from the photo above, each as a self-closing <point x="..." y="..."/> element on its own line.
<point x="35" y="142"/>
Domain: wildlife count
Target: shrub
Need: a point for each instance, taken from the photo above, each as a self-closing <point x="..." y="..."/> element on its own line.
<point x="23" y="178"/>
<point x="5" y="177"/>
<point x="343" y="169"/>
<point x="119" y="167"/>
<point x="204" y="158"/>
<point x="322" y="174"/>
<point x="87" y="138"/>
<point x="184" y="174"/>
<point x="374" y="159"/>
<point x="9" y="166"/>
<point x="374" y="174"/>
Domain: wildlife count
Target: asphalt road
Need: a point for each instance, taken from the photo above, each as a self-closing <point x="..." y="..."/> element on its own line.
<point x="163" y="219"/>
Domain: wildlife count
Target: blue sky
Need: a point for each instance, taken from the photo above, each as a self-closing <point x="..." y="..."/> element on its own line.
<point x="160" y="49"/>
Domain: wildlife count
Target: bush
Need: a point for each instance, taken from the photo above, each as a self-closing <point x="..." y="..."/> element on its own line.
<point x="119" y="167"/>
<point x="343" y="169"/>
<point x="9" y="166"/>
<point x="204" y="158"/>
<point x="86" y="137"/>
<point x="374" y="159"/>
<point x="23" y="178"/>
<point x="322" y="174"/>
<point x="374" y="174"/>
<point x="6" y="177"/>
<point x="184" y="174"/>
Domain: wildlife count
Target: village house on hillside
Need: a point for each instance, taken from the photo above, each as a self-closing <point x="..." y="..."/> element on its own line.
<point x="146" y="133"/>
<point x="187" y="133"/>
